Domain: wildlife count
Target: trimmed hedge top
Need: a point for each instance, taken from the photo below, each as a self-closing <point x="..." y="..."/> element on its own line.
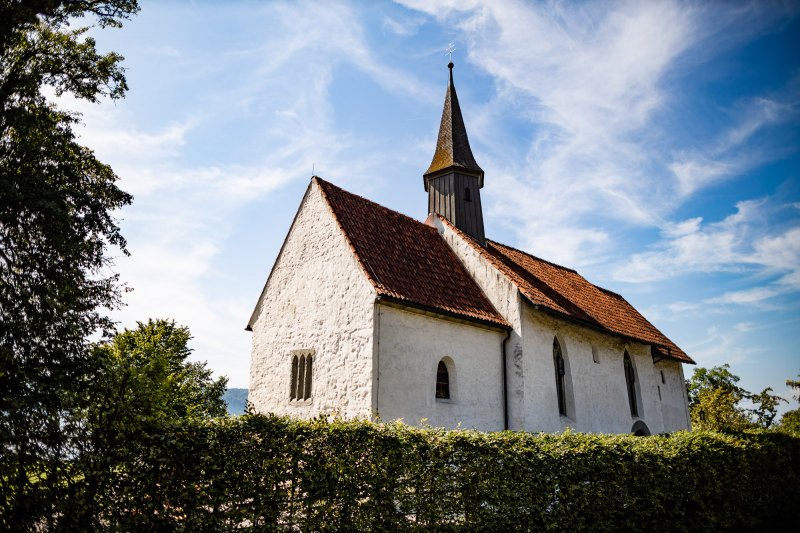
<point x="268" y="473"/>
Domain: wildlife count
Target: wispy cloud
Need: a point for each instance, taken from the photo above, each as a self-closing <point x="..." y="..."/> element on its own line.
<point x="769" y="254"/>
<point x="403" y="26"/>
<point x="592" y="87"/>
<point x="183" y="214"/>
<point x="721" y="345"/>
<point x="730" y="154"/>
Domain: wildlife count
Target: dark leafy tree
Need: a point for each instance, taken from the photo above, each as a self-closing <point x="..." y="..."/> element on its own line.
<point x="56" y="226"/>
<point x="145" y="386"/>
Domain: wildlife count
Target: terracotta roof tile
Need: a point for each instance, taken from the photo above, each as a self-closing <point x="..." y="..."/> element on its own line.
<point x="563" y="291"/>
<point x="406" y="260"/>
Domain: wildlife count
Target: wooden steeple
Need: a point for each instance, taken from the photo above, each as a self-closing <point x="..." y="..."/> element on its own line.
<point x="454" y="179"/>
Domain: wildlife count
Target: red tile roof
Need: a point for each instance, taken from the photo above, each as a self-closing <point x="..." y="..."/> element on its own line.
<point x="406" y="260"/>
<point x="566" y="293"/>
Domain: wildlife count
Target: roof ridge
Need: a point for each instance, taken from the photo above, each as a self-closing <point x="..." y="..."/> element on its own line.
<point x="367" y="200"/>
<point x="609" y="291"/>
<point x="510" y="272"/>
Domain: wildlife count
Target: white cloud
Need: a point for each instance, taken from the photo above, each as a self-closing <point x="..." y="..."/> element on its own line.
<point x="181" y="219"/>
<point x="720" y="345"/>
<point x="592" y="84"/>
<point x="752" y="296"/>
<point x="742" y="242"/>
<point x="403" y="26"/>
<point x="730" y="154"/>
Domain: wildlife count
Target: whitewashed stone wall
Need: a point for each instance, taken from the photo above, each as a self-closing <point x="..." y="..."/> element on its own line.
<point x="674" y="403"/>
<point x="506" y="298"/>
<point x="411" y="346"/>
<point x="317" y="297"/>
<point x="597" y="392"/>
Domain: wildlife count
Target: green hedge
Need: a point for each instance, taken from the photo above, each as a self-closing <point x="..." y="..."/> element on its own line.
<point x="270" y="473"/>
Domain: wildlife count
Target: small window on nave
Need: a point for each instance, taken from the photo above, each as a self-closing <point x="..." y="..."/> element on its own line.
<point x="442" y="382"/>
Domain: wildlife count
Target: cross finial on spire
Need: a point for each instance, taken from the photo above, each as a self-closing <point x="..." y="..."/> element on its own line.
<point x="450" y="49"/>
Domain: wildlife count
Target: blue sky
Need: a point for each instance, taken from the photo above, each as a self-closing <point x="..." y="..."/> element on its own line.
<point x="651" y="145"/>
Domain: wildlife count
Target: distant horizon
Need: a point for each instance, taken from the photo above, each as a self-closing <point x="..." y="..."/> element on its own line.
<point x="653" y="147"/>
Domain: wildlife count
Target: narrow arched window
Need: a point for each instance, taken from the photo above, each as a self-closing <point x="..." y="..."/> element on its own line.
<point x="630" y="381"/>
<point x="467" y="195"/>
<point x="301" y="377"/>
<point x="558" y="363"/>
<point x="442" y="382"/>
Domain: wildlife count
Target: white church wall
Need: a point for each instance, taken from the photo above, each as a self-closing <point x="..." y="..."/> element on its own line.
<point x="597" y="397"/>
<point x="674" y="403"/>
<point x="316" y="298"/>
<point x="410" y="348"/>
<point x="505" y="297"/>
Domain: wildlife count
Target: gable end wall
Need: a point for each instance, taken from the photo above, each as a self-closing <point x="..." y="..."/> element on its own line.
<point x="317" y="297"/>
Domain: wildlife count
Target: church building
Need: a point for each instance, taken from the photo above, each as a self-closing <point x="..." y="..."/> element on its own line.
<point x="369" y="313"/>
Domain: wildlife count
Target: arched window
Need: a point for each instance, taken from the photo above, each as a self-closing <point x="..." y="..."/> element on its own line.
<point x="630" y="381"/>
<point x="558" y="363"/>
<point x="442" y="382"/>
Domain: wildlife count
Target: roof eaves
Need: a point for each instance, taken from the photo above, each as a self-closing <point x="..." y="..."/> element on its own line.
<point x="399" y="301"/>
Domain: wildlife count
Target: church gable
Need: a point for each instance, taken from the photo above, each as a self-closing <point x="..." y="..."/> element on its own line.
<point x="313" y="326"/>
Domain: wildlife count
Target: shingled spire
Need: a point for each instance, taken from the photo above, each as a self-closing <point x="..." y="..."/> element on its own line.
<point x="454" y="179"/>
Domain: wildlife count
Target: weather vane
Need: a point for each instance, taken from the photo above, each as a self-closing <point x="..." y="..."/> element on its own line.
<point x="450" y="49"/>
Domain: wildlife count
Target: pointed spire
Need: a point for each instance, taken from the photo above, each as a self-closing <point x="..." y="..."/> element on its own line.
<point x="452" y="148"/>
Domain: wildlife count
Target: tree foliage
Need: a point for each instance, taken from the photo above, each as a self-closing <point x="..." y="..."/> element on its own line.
<point x="790" y="421"/>
<point x="718" y="403"/>
<point x="146" y="378"/>
<point x="56" y="225"/>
